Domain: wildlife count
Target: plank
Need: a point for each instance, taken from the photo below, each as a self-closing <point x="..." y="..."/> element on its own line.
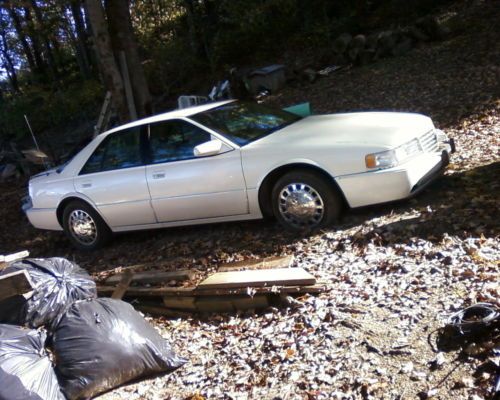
<point x="180" y="302"/>
<point x="266" y="263"/>
<point x="258" y="290"/>
<point x="124" y="284"/>
<point x="15" y="283"/>
<point x="193" y="291"/>
<point x="258" y="278"/>
<point x="160" y="311"/>
<point x="147" y="292"/>
<point x="155" y="276"/>
<point x="13" y="257"/>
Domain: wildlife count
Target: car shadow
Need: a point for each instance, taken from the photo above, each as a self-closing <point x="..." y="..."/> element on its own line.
<point x="462" y="204"/>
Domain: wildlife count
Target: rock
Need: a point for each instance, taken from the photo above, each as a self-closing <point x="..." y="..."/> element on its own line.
<point x="353" y="54"/>
<point x="366" y="56"/>
<point x="341" y="44"/>
<point x="402" y="47"/>
<point x="386" y="42"/>
<point x="358" y="41"/>
<point x="418" y="34"/>
<point x="433" y="27"/>
<point x="372" y="41"/>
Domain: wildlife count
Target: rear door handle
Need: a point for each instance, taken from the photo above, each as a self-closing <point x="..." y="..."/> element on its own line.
<point x="158" y="174"/>
<point x="86" y="184"/>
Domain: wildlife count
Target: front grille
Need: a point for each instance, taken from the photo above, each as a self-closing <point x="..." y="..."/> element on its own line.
<point x="429" y="142"/>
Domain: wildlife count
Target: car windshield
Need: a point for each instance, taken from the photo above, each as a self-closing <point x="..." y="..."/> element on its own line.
<point x="243" y="122"/>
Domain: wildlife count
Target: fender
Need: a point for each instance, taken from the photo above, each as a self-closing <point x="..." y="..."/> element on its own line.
<point x="79" y="196"/>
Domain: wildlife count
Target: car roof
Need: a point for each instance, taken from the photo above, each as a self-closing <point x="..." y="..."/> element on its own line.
<point x="180" y="113"/>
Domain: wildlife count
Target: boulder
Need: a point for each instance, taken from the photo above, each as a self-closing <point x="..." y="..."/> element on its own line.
<point x="386" y="42"/>
<point x="403" y="47"/>
<point x="433" y="27"/>
<point x="341" y="44"/>
<point x="358" y="42"/>
<point x="366" y="56"/>
<point x="417" y="34"/>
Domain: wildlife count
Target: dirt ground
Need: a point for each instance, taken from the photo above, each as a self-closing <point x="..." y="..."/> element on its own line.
<point x="395" y="272"/>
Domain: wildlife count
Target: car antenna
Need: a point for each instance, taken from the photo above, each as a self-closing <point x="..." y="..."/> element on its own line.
<point x="34" y="140"/>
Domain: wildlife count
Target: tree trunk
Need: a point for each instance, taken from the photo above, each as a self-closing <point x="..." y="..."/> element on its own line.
<point x="16" y="21"/>
<point x="123" y="39"/>
<point x="80" y="58"/>
<point x="42" y="30"/>
<point x="109" y="68"/>
<point x="192" y="27"/>
<point x="8" y="64"/>
<point x="81" y="37"/>
<point x="37" y="51"/>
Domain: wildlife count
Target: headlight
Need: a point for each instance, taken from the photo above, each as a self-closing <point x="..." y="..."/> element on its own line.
<point x="391" y="158"/>
<point x="384" y="159"/>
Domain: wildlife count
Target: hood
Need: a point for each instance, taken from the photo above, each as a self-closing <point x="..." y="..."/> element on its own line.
<point x="379" y="129"/>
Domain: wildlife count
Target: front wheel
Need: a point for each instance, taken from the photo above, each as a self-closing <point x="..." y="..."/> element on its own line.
<point x="304" y="200"/>
<point x="84" y="226"/>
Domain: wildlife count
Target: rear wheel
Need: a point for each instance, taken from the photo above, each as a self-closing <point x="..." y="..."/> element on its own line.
<point x="84" y="226"/>
<point x="304" y="200"/>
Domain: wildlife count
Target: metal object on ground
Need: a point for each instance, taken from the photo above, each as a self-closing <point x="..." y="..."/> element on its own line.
<point x="271" y="78"/>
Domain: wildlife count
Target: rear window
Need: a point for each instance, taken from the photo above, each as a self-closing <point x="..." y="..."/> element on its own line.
<point x="119" y="150"/>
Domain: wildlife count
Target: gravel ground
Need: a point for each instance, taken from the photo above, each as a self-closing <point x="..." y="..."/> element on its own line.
<point x="395" y="272"/>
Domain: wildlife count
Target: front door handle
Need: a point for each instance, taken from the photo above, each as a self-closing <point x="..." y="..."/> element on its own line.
<point x="158" y="175"/>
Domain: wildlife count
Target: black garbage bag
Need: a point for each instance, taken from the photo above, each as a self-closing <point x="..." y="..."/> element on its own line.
<point x="26" y="372"/>
<point x="57" y="284"/>
<point x="103" y="343"/>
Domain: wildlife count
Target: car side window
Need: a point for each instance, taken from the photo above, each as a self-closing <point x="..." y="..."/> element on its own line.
<point x="120" y="150"/>
<point x="174" y="140"/>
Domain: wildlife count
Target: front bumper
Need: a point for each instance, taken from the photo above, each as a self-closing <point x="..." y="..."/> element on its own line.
<point x="405" y="180"/>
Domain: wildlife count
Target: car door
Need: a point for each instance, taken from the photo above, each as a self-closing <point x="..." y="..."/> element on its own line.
<point x="114" y="178"/>
<point x="185" y="187"/>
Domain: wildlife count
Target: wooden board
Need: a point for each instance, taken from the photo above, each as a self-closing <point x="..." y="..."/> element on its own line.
<point x="155" y="276"/>
<point x="180" y="302"/>
<point x="193" y="291"/>
<point x="12" y="257"/>
<point x="15" y="283"/>
<point x="122" y="287"/>
<point x="258" y="278"/>
<point x="160" y="311"/>
<point x="266" y="263"/>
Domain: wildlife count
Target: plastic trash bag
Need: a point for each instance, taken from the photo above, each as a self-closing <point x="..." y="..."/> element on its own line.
<point x="26" y="372"/>
<point x="57" y="284"/>
<point x="101" y="344"/>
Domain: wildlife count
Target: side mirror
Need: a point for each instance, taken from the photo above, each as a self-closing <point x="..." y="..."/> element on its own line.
<point x="210" y="148"/>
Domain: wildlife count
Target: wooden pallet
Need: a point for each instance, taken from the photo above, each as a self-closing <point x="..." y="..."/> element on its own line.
<point x="237" y="286"/>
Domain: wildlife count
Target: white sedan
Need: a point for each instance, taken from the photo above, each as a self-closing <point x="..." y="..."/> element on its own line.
<point x="231" y="161"/>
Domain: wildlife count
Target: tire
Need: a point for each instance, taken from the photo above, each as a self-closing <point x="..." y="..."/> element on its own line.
<point x="304" y="200"/>
<point x="84" y="226"/>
